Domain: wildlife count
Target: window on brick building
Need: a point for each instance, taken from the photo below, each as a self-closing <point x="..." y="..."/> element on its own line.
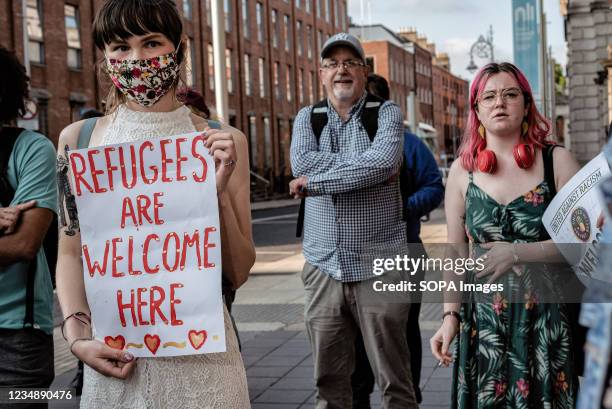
<point x="283" y="146"/>
<point x="245" y="18"/>
<point x="268" y="148"/>
<point x="276" y="75"/>
<point x="300" y="84"/>
<point x="227" y="9"/>
<point x="289" y="83"/>
<point x="319" y="7"/>
<point x="187" y="9"/>
<point x="370" y="63"/>
<point x="311" y="85"/>
<point x="297" y="4"/>
<point x="287" y="28"/>
<point x="248" y="86"/>
<point x="307" y="5"/>
<point x="260" y="23"/>
<point x="262" y="78"/>
<point x="299" y="37"/>
<point x="190" y="57"/>
<point x="336" y="13"/>
<point x="211" y="67"/>
<point x="252" y="118"/>
<point x="208" y="12"/>
<point x="76" y="107"/>
<point x="274" y="24"/>
<point x="36" y="44"/>
<point x="310" y="40"/>
<point x="229" y="72"/>
<point x="73" y="36"/>
<point x="328" y="11"/>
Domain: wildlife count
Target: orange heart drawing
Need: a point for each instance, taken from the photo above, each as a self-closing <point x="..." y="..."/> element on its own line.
<point x="152" y="342"/>
<point x="117" y="342"/>
<point x="197" y="338"/>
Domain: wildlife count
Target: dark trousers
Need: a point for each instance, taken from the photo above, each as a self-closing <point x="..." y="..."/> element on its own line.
<point x="26" y="361"/>
<point x="362" y="380"/>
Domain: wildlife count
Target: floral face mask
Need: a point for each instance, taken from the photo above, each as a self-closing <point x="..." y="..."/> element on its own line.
<point x="144" y="81"/>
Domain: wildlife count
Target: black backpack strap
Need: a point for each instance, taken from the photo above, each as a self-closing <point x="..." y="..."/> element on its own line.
<point x="8" y="137"/>
<point x="85" y="132"/>
<point x="300" y="222"/>
<point x="369" y="115"/>
<point x="549" y="169"/>
<point x="318" y="118"/>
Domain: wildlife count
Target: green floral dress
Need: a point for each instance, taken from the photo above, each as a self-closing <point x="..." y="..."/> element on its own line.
<point x="515" y="354"/>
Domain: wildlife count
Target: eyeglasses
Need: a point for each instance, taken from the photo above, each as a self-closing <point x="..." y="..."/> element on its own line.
<point x="348" y="64"/>
<point x="509" y="96"/>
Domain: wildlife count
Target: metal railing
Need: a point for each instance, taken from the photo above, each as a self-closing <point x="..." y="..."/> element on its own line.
<point x="256" y="181"/>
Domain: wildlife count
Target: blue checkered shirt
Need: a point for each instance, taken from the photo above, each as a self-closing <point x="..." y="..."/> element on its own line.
<point x="351" y="207"/>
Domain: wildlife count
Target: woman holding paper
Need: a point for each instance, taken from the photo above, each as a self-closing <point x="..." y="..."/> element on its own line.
<point x="145" y="51"/>
<point x="508" y="354"/>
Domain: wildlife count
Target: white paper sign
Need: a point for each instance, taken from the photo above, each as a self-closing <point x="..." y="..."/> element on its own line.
<point x="571" y="217"/>
<point x="151" y="245"/>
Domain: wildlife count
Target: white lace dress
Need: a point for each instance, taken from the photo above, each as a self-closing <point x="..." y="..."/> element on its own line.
<point x="209" y="381"/>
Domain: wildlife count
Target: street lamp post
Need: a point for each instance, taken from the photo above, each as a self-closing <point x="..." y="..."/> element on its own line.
<point x="482" y="48"/>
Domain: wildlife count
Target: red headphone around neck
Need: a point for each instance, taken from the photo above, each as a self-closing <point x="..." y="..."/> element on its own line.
<point x="523" y="153"/>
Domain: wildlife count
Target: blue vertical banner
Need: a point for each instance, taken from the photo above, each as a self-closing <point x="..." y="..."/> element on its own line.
<point x="526" y="22"/>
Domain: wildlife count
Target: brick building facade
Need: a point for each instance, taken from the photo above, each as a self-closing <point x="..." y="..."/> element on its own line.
<point x="272" y="49"/>
<point x="60" y="90"/>
<point x="450" y="95"/>
<point x="588" y="30"/>
<point x="418" y="77"/>
<point x="396" y="65"/>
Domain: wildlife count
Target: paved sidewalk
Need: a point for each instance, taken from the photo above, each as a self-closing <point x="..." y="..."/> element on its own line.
<point x="280" y="373"/>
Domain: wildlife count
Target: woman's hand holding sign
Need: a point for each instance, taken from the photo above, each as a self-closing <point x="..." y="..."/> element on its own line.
<point x="221" y="146"/>
<point x="104" y="359"/>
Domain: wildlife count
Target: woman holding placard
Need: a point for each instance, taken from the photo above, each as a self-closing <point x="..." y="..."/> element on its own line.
<point x="521" y="353"/>
<point x="145" y="51"/>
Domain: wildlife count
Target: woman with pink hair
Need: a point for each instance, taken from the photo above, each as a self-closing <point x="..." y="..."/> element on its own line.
<point x="509" y="353"/>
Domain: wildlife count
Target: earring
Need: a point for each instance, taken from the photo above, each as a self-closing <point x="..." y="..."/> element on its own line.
<point x="524" y="128"/>
<point x="481" y="131"/>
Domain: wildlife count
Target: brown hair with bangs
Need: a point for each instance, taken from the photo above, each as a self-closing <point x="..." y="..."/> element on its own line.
<point x="122" y="19"/>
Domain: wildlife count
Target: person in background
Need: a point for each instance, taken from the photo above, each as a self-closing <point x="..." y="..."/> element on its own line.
<point x="425" y="191"/>
<point x="28" y="202"/>
<point x="194" y="101"/>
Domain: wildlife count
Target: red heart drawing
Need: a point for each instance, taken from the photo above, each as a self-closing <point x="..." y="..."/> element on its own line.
<point x="117" y="342"/>
<point x="197" y="338"/>
<point x="152" y="342"/>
